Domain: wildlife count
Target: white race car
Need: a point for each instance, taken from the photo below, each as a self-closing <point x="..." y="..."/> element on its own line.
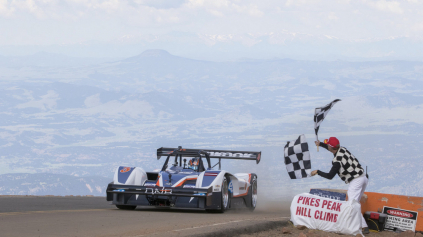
<point x="186" y="183"/>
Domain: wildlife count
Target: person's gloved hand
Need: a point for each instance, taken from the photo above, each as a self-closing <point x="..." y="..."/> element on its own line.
<point x="313" y="173"/>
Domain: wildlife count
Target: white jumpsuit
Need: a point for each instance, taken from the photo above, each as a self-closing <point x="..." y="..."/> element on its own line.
<point x="356" y="189"/>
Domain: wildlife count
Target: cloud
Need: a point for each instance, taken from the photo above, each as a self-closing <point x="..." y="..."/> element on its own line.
<point x="5" y="11"/>
<point x="388" y="6"/>
<point x="332" y="16"/>
<point x="78" y="132"/>
<point x="360" y="114"/>
<point x="216" y="13"/>
<point x="92" y="101"/>
<point x="325" y="84"/>
<point x="250" y="9"/>
<point x="47" y="102"/>
<point x="161" y="4"/>
<point x="290" y="3"/>
<point x="247" y="40"/>
<point x="115" y="109"/>
<point x="80" y="21"/>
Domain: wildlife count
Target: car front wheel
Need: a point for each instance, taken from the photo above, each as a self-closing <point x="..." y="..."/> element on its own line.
<point x="226" y="196"/>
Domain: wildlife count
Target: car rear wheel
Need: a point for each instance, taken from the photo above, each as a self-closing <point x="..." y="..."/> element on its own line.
<point x="253" y="193"/>
<point x="125" y="207"/>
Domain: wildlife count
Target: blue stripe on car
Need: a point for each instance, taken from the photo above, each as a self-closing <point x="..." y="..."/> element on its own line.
<point x="207" y="180"/>
<point x="175" y="178"/>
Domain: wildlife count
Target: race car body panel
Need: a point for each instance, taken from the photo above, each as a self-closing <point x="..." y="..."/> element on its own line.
<point x="244" y="180"/>
<point x="129" y="175"/>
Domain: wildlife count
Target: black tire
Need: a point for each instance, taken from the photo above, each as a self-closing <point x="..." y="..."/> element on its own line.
<point x="225" y="196"/>
<point x="125" y="207"/>
<point x="225" y="203"/>
<point x="212" y="211"/>
<point x="253" y="193"/>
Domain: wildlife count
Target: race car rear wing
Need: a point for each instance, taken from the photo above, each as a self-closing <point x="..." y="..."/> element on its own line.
<point x="221" y="154"/>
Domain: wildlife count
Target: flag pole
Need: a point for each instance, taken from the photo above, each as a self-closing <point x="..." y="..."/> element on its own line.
<point x="317" y="136"/>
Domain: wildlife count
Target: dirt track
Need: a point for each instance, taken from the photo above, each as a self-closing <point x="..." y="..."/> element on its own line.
<point x="289" y="230"/>
<point x="93" y="216"/>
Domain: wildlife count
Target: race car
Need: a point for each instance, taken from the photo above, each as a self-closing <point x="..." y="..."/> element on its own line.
<point x="189" y="182"/>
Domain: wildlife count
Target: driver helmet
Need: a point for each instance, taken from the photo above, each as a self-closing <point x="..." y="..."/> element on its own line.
<point x="193" y="163"/>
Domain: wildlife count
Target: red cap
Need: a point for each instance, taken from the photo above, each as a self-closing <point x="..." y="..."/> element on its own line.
<point x="332" y="141"/>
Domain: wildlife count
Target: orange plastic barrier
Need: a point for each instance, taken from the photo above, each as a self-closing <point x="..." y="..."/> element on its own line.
<point x="376" y="202"/>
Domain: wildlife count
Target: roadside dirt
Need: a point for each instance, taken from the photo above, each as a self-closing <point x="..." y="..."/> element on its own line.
<point x="290" y="230"/>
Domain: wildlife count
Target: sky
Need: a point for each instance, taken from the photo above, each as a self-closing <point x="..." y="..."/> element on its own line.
<point x="29" y="26"/>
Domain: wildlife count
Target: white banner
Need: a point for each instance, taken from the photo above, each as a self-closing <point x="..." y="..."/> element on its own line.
<point x="326" y="214"/>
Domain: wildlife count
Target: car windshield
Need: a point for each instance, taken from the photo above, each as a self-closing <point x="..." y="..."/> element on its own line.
<point x="189" y="162"/>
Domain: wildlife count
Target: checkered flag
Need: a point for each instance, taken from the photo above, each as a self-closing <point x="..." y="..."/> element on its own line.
<point x="297" y="158"/>
<point x="320" y="114"/>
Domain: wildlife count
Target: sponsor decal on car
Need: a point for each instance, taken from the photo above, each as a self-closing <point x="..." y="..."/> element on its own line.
<point x="125" y="169"/>
<point x="231" y="154"/>
<point x="200" y="194"/>
<point x="158" y="191"/>
<point x="189" y="186"/>
<point x="150" y="184"/>
<point x="210" y="174"/>
<point x="120" y="190"/>
<point x="216" y="188"/>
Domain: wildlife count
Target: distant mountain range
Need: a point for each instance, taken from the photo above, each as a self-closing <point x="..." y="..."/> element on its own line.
<point x="49" y="60"/>
<point x="230" y="47"/>
<point x="64" y="127"/>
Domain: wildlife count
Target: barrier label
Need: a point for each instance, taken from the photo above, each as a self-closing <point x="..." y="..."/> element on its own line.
<point x="402" y="219"/>
<point x="329" y="194"/>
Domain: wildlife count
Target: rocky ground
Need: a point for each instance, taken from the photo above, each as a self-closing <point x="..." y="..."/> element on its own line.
<point x="304" y="232"/>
